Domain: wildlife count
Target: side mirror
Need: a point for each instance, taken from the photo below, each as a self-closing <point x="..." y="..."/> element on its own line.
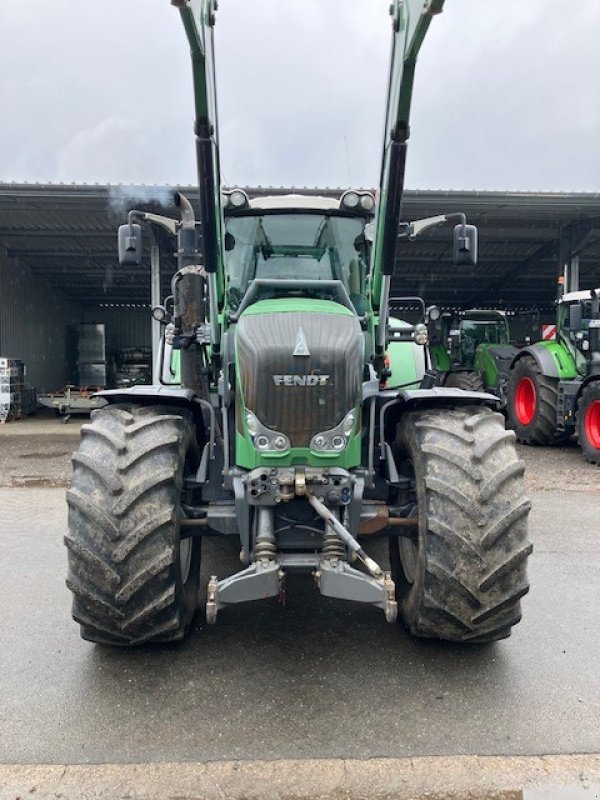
<point x="130" y="244"/>
<point x="575" y="317"/>
<point x="465" y="245"/>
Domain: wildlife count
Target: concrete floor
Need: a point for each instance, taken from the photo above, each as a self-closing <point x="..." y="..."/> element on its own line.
<point x="316" y="679"/>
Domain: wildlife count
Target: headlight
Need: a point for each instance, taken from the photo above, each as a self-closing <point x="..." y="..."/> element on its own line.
<point x="350" y="199"/>
<point x="252" y="423"/>
<point x="336" y="439"/>
<point x="421" y="334"/>
<point x="359" y="200"/>
<point x="348" y="424"/>
<point x="263" y="438"/>
<point x="433" y="313"/>
<point x="236" y="198"/>
<point x="159" y="313"/>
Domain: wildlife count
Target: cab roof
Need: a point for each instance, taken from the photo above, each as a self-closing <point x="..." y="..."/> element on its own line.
<point x="571" y="297"/>
<point x="292" y="201"/>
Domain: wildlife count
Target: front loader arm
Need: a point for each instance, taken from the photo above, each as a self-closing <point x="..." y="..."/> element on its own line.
<point x="198" y="17"/>
<point x="410" y="20"/>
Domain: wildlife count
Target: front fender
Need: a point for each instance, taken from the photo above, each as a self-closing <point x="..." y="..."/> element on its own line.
<point x="549" y="358"/>
<point x="156" y="394"/>
<point x="442" y="395"/>
<point x="410" y="399"/>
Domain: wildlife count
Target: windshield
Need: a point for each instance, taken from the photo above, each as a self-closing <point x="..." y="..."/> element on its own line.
<point x="483" y="331"/>
<point x="301" y="246"/>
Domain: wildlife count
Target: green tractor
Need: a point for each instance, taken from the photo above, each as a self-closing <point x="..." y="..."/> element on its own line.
<point x="472" y="350"/>
<point x="279" y="434"/>
<point x="554" y="386"/>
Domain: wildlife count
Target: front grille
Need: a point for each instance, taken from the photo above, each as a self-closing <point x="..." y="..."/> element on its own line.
<point x="267" y="368"/>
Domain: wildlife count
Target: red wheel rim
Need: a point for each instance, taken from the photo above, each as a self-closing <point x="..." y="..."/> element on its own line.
<point x="525" y="401"/>
<point x="592" y="424"/>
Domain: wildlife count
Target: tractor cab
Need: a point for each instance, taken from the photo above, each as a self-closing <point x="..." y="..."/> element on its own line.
<point x="579" y="329"/>
<point x="472" y="350"/>
<point x="475" y="328"/>
<point x="297" y="245"/>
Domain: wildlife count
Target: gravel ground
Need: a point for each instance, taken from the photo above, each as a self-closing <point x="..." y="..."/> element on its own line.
<point x="559" y="467"/>
<point x="37" y="452"/>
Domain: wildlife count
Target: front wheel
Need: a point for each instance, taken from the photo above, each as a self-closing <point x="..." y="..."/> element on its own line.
<point x="462" y="578"/>
<point x="132" y="576"/>
<point x="469" y="381"/>
<point x="588" y="422"/>
<point x="532" y="402"/>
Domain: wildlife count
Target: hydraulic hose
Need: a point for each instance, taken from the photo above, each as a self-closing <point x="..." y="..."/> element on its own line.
<point x="344" y="534"/>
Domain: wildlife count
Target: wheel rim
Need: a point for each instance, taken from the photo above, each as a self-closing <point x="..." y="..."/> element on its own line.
<point x="592" y="424"/>
<point x="408" y="558"/>
<point x="525" y="401"/>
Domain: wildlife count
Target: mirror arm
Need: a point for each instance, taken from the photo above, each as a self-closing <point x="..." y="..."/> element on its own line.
<point x="168" y="223"/>
<point x="410" y="230"/>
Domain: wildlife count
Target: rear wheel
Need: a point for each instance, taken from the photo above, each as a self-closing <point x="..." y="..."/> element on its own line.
<point x="469" y="381"/>
<point x="532" y="403"/>
<point x="132" y="577"/>
<point x="463" y="576"/>
<point x="588" y="422"/>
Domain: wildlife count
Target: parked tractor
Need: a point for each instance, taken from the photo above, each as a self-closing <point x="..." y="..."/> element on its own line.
<point x="472" y="350"/>
<point x="554" y="386"/>
<point x="280" y="434"/>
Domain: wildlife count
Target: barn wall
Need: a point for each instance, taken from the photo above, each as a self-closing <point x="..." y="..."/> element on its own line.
<point x="36" y="323"/>
<point x="125" y="327"/>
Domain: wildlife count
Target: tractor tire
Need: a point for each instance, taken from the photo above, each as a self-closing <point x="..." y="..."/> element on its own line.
<point x="462" y="577"/>
<point x="588" y="422"/>
<point x="532" y="400"/>
<point x="469" y="381"/>
<point x="132" y="578"/>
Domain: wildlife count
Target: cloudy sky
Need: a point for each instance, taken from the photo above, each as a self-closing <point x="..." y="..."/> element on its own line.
<point x="506" y="97"/>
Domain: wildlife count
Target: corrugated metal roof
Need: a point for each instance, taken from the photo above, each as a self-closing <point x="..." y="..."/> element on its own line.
<point x="68" y="234"/>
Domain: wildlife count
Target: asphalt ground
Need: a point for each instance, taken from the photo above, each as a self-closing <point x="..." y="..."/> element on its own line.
<point x="317" y="679"/>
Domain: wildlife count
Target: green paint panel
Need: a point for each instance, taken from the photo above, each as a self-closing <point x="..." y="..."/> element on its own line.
<point x="402" y="364"/>
<point x="485" y="364"/>
<point x="440" y="360"/>
<point x="563" y="359"/>
<point x="248" y="457"/>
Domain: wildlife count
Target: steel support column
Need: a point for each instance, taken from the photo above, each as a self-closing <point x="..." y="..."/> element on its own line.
<point x="154" y="301"/>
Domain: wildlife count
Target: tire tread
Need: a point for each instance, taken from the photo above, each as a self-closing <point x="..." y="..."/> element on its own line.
<point x="122" y="542"/>
<point x="474" y="545"/>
